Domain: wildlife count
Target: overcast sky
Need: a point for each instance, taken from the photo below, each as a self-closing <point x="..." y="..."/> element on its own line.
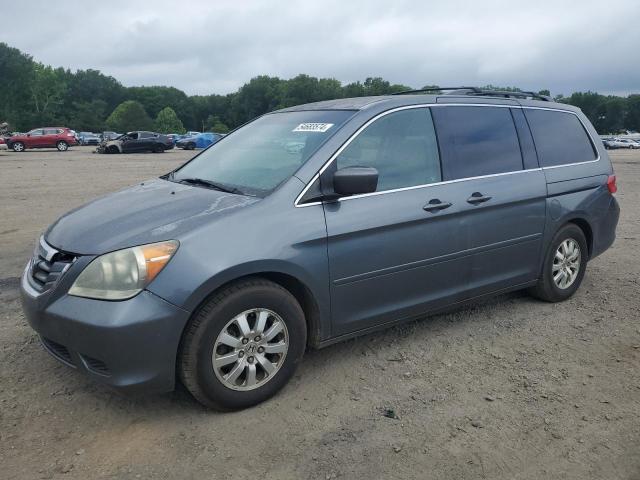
<point x="207" y="47"/>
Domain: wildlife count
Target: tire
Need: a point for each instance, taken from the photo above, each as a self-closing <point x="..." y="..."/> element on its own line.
<point x="62" y="146"/>
<point x="190" y="146"/>
<point x="157" y="149"/>
<point x="547" y="288"/>
<point x="201" y="340"/>
<point x="18" y="147"/>
<point x="112" y="149"/>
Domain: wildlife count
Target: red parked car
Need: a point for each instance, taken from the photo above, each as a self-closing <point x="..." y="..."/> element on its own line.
<point x="47" y="137"/>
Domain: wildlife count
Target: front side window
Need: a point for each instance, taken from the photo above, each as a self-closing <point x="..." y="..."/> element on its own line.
<point x="560" y="137"/>
<point x="402" y="146"/>
<point x="477" y="141"/>
<point x="258" y="157"/>
<point x="36" y="133"/>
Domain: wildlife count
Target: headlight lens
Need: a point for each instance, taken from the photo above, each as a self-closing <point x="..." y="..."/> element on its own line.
<point x="123" y="274"/>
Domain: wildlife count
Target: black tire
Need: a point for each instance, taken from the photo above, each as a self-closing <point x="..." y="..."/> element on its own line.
<point x="546" y="289"/>
<point x="18" y="147"/>
<point x="195" y="368"/>
<point x="62" y="146"/>
<point x="158" y="148"/>
<point x="112" y="149"/>
<point x="190" y="146"/>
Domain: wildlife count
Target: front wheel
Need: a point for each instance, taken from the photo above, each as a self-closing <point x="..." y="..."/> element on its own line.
<point x="62" y="146"/>
<point x="564" y="265"/>
<point x="243" y="345"/>
<point x="18" y="147"/>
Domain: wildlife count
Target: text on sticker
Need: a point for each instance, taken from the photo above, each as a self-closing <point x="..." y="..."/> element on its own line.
<point x="313" y="127"/>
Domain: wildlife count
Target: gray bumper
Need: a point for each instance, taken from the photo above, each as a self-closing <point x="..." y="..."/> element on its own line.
<point x="130" y="344"/>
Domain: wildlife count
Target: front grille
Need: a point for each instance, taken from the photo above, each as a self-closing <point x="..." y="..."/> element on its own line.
<point x="96" y="366"/>
<point x="59" y="351"/>
<point x="47" y="266"/>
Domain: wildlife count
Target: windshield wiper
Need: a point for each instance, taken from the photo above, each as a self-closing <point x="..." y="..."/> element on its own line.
<point x="209" y="184"/>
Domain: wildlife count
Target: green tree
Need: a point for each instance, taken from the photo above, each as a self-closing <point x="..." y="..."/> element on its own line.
<point x="168" y="122"/>
<point x="16" y="77"/>
<point x="127" y="116"/>
<point x="88" y="116"/>
<point x="47" y="92"/>
<point x="214" y="124"/>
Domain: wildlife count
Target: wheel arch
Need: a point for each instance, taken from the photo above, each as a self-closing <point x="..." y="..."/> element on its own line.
<point x="584" y="225"/>
<point x="291" y="283"/>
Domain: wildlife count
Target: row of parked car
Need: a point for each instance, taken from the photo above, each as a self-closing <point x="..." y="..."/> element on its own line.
<point x="613" y="143"/>
<point x="107" y="142"/>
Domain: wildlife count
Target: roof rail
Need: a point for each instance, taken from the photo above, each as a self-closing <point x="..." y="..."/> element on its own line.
<point x="475" y="91"/>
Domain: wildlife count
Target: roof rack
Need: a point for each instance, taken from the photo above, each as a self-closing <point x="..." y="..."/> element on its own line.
<point x="475" y="91"/>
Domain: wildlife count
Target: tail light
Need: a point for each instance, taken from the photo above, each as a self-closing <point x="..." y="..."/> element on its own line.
<point x="611" y="184"/>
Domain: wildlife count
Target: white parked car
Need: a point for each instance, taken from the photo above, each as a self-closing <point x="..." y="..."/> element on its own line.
<point x="621" y="143"/>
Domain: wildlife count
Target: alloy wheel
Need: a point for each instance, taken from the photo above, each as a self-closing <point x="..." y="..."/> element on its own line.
<point x="566" y="263"/>
<point x="250" y="349"/>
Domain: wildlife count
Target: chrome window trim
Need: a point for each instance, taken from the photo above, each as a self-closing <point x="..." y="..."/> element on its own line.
<point x="414" y="187"/>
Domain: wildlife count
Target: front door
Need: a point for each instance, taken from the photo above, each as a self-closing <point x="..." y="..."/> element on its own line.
<point x="400" y="250"/>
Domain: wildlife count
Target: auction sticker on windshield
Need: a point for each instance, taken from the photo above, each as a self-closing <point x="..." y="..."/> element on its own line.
<point x="313" y="127"/>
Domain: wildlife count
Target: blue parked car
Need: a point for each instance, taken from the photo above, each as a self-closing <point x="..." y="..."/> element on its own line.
<point x="201" y="140"/>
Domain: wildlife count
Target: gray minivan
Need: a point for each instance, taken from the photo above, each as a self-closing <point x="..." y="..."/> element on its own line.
<point x="318" y="223"/>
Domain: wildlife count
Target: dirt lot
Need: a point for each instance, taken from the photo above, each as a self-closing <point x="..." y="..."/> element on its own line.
<point x="513" y="388"/>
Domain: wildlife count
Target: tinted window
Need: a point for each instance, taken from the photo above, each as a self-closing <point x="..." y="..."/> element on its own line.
<point x="36" y="132"/>
<point x="401" y="146"/>
<point x="50" y="131"/>
<point x="560" y="138"/>
<point x="476" y="141"/>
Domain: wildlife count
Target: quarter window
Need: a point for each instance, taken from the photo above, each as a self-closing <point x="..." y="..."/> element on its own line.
<point x="476" y="141"/>
<point x="402" y="146"/>
<point x="560" y="137"/>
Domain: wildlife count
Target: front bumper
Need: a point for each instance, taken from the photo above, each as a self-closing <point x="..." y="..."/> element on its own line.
<point x="130" y="344"/>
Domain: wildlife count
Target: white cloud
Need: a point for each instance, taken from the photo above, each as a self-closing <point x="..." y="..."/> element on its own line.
<point x="214" y="47"/>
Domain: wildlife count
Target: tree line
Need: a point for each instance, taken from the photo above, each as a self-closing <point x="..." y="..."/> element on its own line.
<point x="33" y="94"/>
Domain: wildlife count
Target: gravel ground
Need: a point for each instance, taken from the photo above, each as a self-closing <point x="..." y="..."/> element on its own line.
<point x="512" y="388"/>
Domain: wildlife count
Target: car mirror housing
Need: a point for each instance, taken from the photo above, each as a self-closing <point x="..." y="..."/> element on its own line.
<point x="355" y="180"/>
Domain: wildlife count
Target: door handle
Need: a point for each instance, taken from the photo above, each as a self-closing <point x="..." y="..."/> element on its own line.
<point x="434" y="205"/>
<point x="477" y="198"/>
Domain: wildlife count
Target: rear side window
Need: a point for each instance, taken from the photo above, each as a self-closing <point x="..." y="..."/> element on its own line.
<point x="560" y="137"/>
<point x="476" y="141"/>
<point x="402" y="146"/>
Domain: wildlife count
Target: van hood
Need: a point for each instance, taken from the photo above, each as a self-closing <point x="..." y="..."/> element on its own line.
<point x="152" y="211"/>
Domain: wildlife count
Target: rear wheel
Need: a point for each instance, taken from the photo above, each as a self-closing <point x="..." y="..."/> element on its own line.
<point x="243" y="345"/>
<point x="191" y="146"/>
<point x="18" y="147"/>
<point x="564" y="265"/>
<point x="62" y="146"/>
<point x="157" y="149"/>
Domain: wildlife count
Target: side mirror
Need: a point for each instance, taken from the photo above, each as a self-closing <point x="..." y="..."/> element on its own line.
<point x="355" y="180"/>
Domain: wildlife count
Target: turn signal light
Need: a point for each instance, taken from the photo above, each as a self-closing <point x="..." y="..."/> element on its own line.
<point x="611" y="184"/>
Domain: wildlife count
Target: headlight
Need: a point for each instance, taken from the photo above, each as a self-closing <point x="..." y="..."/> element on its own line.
<point x="123" y="274"/>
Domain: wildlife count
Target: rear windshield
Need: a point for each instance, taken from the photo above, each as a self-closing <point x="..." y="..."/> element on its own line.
<point x="258" y="157"/>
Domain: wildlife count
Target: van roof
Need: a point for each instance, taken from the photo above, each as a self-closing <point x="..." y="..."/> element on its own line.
<point x="393" y="101"/>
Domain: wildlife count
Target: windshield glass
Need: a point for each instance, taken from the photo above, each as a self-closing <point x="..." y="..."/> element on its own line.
<point x="258" y="157"/>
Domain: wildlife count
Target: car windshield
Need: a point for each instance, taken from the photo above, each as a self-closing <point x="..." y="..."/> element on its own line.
<point x="258" y="157"/>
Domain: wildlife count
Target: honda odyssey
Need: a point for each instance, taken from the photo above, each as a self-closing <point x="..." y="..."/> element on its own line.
<point x="317" y="223"/>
